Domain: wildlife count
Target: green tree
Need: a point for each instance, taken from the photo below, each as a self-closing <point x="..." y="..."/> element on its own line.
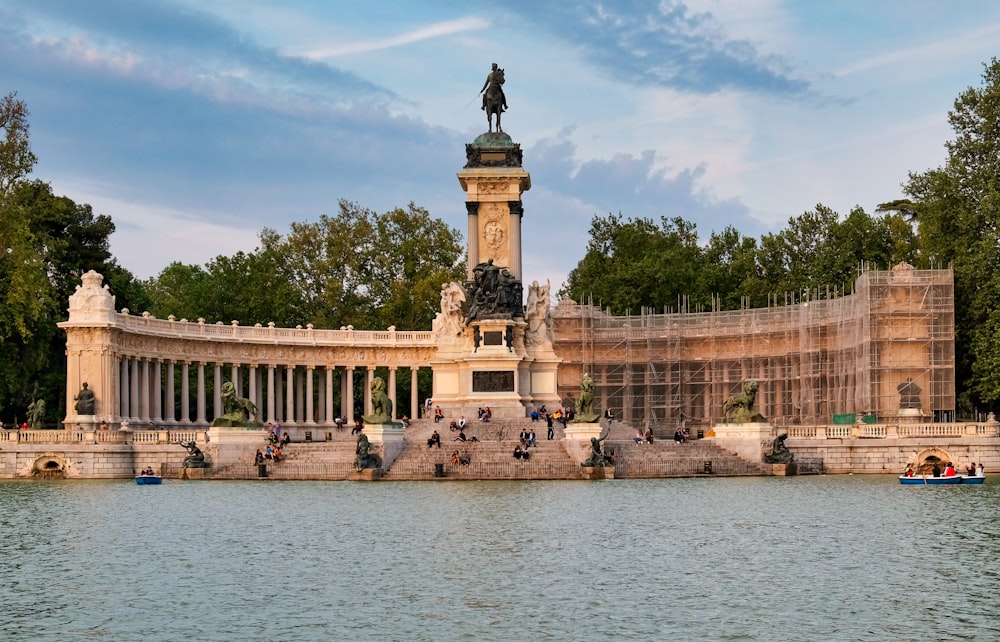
<point x="631" y="264"/>
<point x="16" y="158"/>
<point x="732" y="271"/>
<point x="360" y="268"/>
<point x="957" y="207"/>
<point x="372" y="270"/>
<point x="46" y="243"/>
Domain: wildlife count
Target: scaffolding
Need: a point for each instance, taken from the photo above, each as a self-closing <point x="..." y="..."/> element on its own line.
<point x="817" y="358"/>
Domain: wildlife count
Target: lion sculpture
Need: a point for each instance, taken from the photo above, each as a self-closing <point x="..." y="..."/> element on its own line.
<point x="739" y="408"/>
<point x="239" y="411"/>
<point x="381" y="404"/>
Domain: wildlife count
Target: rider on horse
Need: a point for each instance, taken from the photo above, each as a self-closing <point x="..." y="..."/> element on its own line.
<point x="500" y="81"/>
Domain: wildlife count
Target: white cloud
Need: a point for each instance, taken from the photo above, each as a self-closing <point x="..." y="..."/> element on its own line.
<point x="447" y="28"/>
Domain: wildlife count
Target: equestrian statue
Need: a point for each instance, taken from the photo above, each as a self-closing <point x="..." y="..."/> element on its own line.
<point x="494" y="100"/>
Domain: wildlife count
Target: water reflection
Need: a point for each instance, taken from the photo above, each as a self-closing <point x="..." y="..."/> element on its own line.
<point x="821" y="558"/>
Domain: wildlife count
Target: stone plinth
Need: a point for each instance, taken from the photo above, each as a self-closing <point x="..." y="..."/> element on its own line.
<point x="389" y="436"/>
<point x="193" y="473"/>
<point x="230" y="444"/>
<point x="746" y="440"/>
<point x="368" y="474"/>
<point x="785" y="470"/>
<point x="598" y="472"/>
<point x="583" y="431"/>
<point x="910" y="416"/>
<point x="577" y="442"/>
<point x="82" y="422"/>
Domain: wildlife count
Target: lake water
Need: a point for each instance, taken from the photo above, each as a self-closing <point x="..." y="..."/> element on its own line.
<point x="807" y="558"/>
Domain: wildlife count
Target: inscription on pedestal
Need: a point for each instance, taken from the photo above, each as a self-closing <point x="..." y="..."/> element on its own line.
<point x="493" y="338"/>
<point x="493" y="381"/>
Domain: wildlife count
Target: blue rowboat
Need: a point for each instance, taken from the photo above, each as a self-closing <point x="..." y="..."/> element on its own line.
<point x="144" y="480"/>
<point x="954" y="480"/>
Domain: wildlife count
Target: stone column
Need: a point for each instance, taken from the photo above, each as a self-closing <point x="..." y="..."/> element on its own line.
<point x="200" y="401"/>
<point x="516" y="214"/>
<point x="369" y="375"/>
<point x="300" y="398"/>
<point x="473" y="236"/>
<point x="133" y="391"/>
<point x="217" y="393"/>
<point x="157" y="391"/>
<point x="279" y="395"/>
<point x="234" y="376"/>
<point x="392" y="390"/>
<point x="329" y="395"/>
<point x="186" y="389"/>
<point x="350" y="392"/>
<point x="144" y="393"/>
<point x="343" y="393"/>
<point x="310" y="416"/>
<point x="171" y="396"/>
<point x="290" y="394"/>
<point x="252" y="392"/>
<point x="414" y="399"/>
<point x="270" y="394"/>
<point x="124" y="388"/>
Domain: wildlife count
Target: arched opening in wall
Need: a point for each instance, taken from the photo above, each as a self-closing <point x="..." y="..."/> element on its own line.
<point x="926" y="460"/>
<point x="49" y="467"/>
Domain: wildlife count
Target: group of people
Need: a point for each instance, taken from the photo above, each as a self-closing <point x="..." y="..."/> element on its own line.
<point x="949" y="470"/>
<point x="485" y="414"/>
<point x="460" y="460"/>
<point x="271" y="453"/>
<point x="644" y="437"/>
<point x="527" y="439"/>
<point x="275" y="436"/>
<point x="148" y="472"/>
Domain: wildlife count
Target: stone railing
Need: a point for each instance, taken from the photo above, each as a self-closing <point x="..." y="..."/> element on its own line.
<point x="891" y="431"/>
<point x="101" y="436"/>
<point x="184" y="329"/>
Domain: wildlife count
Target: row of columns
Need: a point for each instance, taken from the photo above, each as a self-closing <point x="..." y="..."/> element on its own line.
<point x="281" y="393"/>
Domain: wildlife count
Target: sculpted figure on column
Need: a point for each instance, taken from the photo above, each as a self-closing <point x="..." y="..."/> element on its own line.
<point x="85" y="401"/>
<point x="450" y="320"/>
<point x="538" y="315"/>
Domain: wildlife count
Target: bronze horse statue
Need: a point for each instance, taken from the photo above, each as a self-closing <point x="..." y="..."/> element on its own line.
<point x="493" y="100"/>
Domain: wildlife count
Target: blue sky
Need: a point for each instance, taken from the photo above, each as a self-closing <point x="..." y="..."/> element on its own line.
<point x="196" y="123"/>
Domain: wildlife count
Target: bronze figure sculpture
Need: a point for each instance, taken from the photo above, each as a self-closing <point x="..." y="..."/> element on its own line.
<point x="494" y="99"/>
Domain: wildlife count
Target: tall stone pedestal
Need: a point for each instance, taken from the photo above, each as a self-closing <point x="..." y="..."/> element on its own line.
<point x="577" y="442"/>
<point x="785" y="470"/>
<point x="746" y="440"/>
<point x="388" y="437"/>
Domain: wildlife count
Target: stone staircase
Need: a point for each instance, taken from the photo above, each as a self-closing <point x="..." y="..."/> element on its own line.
<point x="491" y="456"/>
<point x="667" y="458"/>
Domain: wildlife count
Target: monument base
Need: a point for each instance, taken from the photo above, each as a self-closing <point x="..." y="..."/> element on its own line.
<point x="583" y="431"/>
<point x="82" y="422"/>
<point x="785" y="470"/>
<point x="193" y="473"/>
<point x="910" y="416"/>
<point x="746" y="440"/>
<point x="598" y="472"/>
<point x="368" y="474"/>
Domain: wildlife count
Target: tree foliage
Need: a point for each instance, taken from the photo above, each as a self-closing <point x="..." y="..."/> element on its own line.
<point x="46" y="243"/>
<point x="635" y="264"/>
<point x="957" y="207"/>
<point x="360" y="268"/>
<point x="16" y="158"/>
